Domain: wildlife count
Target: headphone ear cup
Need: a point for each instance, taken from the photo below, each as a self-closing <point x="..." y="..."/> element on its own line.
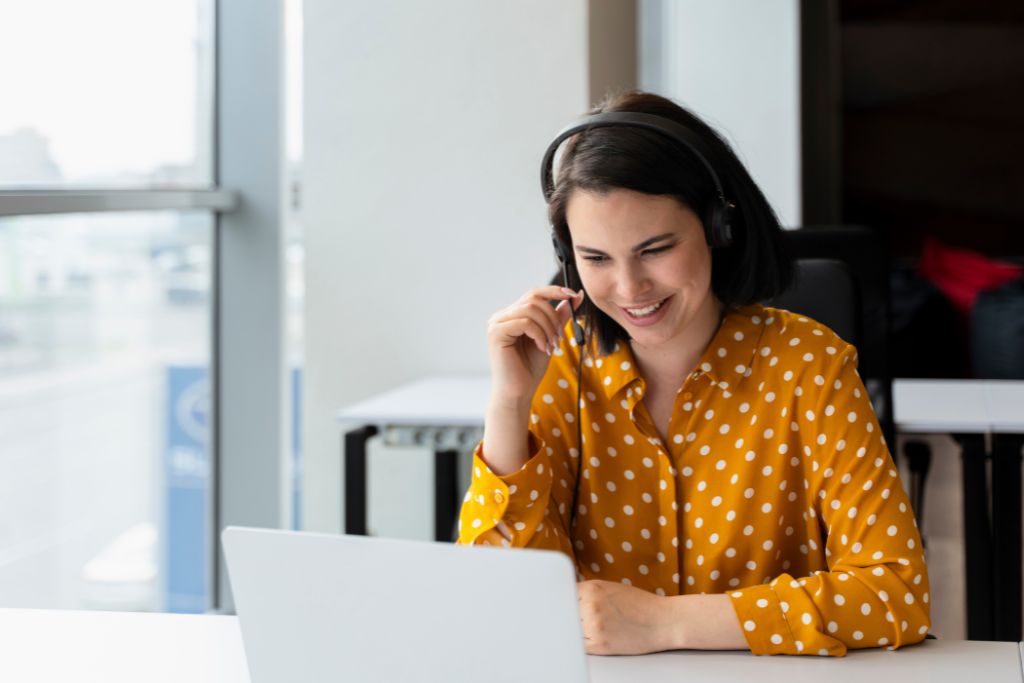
<point x="720" y="223"/>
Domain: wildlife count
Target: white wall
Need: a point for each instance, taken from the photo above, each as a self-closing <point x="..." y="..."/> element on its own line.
<point x="737" y="64"/>
<point x="424" y="125"/>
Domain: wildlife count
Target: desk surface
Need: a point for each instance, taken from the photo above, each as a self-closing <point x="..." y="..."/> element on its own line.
<point x="117" y="647"/>
<point x="935" y="405"/>
<point x="920" y="405"/>
<point x="971" y="406"/>
<point x="431" y="402"/>
<point x="1005" y="402"/>
<point x="113" y="647"/>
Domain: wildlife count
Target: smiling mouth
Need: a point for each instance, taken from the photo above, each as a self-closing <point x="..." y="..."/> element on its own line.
<point x="646" y="310"/>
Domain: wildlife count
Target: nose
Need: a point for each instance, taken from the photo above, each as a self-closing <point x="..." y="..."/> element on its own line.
<point x="633" y="283"/>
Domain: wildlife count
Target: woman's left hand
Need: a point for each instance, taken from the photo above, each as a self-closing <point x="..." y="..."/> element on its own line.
<point x="623" y="620"/>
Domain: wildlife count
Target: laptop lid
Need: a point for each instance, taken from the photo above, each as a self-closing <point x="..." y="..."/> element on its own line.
<point x="352" y="608"/>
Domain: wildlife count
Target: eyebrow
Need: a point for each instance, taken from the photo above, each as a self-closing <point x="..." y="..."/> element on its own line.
<point x="640" y="247"/>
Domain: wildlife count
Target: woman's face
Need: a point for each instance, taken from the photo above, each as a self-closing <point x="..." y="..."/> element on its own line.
<point x="644" y="261"/>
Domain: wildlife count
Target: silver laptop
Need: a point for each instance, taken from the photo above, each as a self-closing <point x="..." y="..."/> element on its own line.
<point x="319" y="607"/>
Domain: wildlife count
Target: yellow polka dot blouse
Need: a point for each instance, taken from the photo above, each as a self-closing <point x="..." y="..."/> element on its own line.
<point x="775" y="486"/>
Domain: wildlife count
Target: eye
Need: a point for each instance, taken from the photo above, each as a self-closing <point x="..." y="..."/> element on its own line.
<point x="656" y="250"/>
<point x="595" y="258"/>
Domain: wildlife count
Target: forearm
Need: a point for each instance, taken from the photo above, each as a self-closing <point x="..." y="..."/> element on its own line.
<point x="704" y="622"/>
<point x="506" y="435"/>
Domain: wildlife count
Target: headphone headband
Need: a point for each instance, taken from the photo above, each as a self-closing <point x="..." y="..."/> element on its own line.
<point x="659" y="124"/>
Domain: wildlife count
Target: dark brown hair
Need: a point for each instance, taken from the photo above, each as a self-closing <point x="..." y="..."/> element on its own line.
<point x="754" y="268"/>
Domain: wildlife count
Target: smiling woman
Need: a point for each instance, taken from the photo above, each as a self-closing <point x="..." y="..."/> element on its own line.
<point x="713" y="466"/>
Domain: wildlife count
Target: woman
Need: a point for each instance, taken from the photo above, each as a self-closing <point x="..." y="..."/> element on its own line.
<point x="734" y="489"/>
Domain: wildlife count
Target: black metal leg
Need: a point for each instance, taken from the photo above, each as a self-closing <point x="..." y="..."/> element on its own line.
<point x="978" y="539"/>
<point x="446" y="483"/>
<point x="354" y="521"/>
<point x="919" y="460"/>
<point x="1006" y="533"/>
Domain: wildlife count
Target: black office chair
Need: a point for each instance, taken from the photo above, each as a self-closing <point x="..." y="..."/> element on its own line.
<point x="825" y="289"/>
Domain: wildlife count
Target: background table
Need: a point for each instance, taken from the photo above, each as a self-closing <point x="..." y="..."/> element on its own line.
<point x="118" y="647"/>
<point x="445" y="413"/>
<point x="986" y="417"/>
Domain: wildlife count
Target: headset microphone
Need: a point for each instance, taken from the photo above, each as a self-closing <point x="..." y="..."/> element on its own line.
<point x="563" y="262"/>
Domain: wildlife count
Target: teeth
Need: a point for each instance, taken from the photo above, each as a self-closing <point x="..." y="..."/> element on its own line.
<point x="641" y="312"/>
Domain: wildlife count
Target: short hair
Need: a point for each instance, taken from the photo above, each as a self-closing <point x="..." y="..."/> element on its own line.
<point x="755" y="267"/>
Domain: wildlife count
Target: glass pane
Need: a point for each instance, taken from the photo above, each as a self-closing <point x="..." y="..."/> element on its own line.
<point x="106" y="93"/>
<point x="295" y="248"/>
<point x="104" y="403"/>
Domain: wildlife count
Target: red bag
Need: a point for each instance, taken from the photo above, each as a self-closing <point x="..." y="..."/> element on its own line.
<point x="963" y="274"/>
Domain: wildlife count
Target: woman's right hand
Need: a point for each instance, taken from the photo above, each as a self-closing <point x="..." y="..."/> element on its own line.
<point x="521" y="338"/>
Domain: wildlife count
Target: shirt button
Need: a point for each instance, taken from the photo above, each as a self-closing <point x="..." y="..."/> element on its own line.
<point x="688" y="395"/>
<point x="499" y="497"/>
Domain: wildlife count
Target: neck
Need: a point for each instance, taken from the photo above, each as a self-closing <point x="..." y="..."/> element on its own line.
<point x="672" y="362"/>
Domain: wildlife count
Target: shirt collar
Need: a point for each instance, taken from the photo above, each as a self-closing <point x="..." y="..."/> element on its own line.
<point x="738" y="336"/>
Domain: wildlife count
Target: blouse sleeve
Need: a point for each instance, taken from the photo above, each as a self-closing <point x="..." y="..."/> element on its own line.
<point x="530" y="508"/>
<point x="875" y="592"/>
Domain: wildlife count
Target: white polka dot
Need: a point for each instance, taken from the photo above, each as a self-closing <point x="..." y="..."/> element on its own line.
<point x="839" y="599"/>
<point x="806" y="618"/>
<point x="749" y="625"/>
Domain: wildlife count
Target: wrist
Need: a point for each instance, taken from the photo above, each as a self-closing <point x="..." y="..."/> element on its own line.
<point x="674" y="623"/>
<point x="503" y="405"/>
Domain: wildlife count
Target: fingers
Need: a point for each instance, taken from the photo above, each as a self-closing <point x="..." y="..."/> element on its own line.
<point x="535" y="306"/>
<point x="564" y="312"/>
<point x="508" y="333"/>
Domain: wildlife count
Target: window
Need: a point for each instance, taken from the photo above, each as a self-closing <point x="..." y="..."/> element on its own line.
<point x="114" y="346"/>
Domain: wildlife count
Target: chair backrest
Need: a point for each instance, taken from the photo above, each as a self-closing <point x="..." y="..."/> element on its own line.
<point x="864" y="252"/>
<point x="825" y="289"/>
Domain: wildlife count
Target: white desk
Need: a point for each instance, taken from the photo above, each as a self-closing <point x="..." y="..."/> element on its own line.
<point x="112" y="647"/>
<point x="979" y="413"/>
<point x="116" y="647"/>
<point x="446" y="413"/>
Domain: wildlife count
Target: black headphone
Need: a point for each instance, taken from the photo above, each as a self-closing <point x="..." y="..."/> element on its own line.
<point x="717" y="224"/>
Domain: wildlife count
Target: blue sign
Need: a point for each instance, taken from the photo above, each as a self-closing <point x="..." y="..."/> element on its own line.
<point x="188" y="481"/>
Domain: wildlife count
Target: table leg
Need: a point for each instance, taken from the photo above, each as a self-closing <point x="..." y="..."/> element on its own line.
<point x="354" y="521"/>
<point x="1006" y="533"/>
<point x="446" y="483"/>
<point x="919" y="460"/>
<point x="978" y="539"/>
